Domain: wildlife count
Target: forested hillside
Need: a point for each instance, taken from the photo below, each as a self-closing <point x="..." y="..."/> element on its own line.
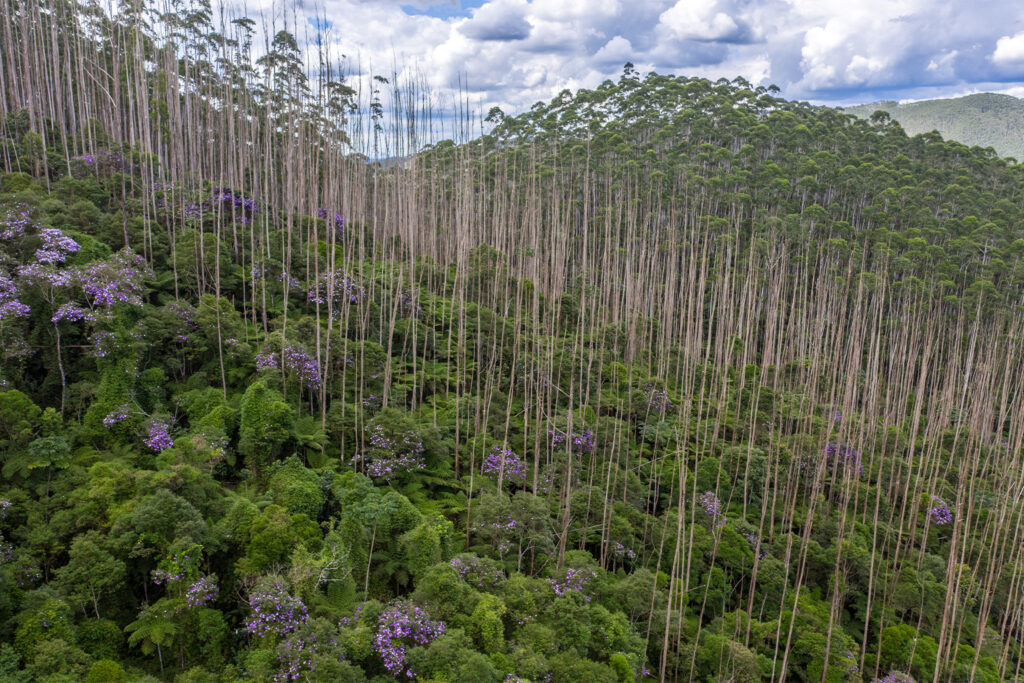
<point x="982" y="120"/>
<point x="667" y="380"/>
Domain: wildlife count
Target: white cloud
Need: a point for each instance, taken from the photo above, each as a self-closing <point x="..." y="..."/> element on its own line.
<point x="699" y="20"/>
<point x="498" y="20"/>
<point x="616" y="51"/>
<point x="861" y="68"/>
<point x="512" y="53"/>
<point x="1009" y="49"/>
<point x="943" y="63"/>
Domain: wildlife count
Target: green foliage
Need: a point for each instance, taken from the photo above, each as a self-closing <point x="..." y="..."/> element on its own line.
<point x="50" y="620"/>
<point x="296" y="488"/>
<point x="265" y="426"/>
<point x="91" y="572"/>
<point x="105" y="671"/>
<point x="718" y="291"/>
<point x="982" y="120"/>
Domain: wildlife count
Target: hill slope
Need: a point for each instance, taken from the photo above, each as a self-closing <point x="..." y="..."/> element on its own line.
<point x="667" y="376"/>
<point x="985" y="120"/>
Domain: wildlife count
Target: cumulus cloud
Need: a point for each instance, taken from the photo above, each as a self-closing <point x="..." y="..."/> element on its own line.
<point x="511" y="53"/>
<point x="616" y="51"/>
<point x="1009" y="49"/>
<point x="700" y="20"/>
<point x="498" y="20"/>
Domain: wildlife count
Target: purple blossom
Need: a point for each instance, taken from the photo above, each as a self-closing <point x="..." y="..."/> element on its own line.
<point x="223" y="201"/>
<point x="10" y="307"/>
<point x="303" y="366"/>
<point x="840" y="455"/>
<point x="894" y="677"/>
<point x="753" y="540"/>
<point x="266" y="359"/>
<point x="202" y="591"/>
<point x="400" y="625"/>
<point x="8" y="288"/>
<point x="581" y="442"/>
<point x="502" y="462"/>
<point x="940" y="512"/>
<point x="297" y="653"/>
<point x="13" y="309"/>
<point x="103" y="162"/>
<point x="292" y="282"/>
<point x="118" y="280"/>
<point x="339" y="221"/>
<point x="622" y="552"/>
<point x="657" y="398"/>
<point x="574" y="580"/>
<point x="28" y="576"/>
<point x="273" y="610"/>
<point x="481" y="573"/>
<point x="168" y="576"/>
<point x="117" y="416"/>
<point x="338" y="288"/>
<point x="391" y="456"/>
<point x="73" y="312"/>
<point x="46" y="274"/>
<point x="409" y="302"/>
<point x="185" y="313"/>
<point x="158" y="437"/>
<point x="102" y="344"/>
<point x="712" y="508"/>
<point x="296" y="361"/>
<point x="56" y="246"/>
<point x="15" y="221"/>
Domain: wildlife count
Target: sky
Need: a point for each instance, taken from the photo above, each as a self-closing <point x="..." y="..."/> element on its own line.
<point x="512" y="53"/>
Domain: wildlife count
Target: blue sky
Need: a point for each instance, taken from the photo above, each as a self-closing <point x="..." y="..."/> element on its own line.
<point x="511" y="53"/>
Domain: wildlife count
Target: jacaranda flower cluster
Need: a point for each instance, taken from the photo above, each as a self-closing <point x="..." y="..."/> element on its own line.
<point x="400" y="625"/>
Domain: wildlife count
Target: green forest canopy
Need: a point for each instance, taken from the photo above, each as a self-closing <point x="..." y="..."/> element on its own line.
<point x="671" y="379"/>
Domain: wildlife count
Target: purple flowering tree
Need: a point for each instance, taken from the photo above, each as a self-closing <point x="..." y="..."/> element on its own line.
<point x="158" y="436"/>
<point x="99" y="163"/>
<point x="47" y="277"/>
<point x="180" y="574"/>
<point x="755" y="542"/>
<point x="391" y="455"/>
<point x="186" y="589"/>
<point x="843" y="458"/>
<point x="224" y="204"/>
<point x="12" y="313"/>
<point x="400" y="626"/>
<point x="479" y="572"/>
<point x="712" y="507"/>
<point x="573" y="580"/>
<point x="577" y="442"/>
<point x="504" y="465"/>
<point x="657" y="399"/>
<point x="77" y="295"/>
<point x="273" y="611"/>
<point x="939" y="512"/>
<point x="337" y="290"/>
<point x="299" y="651"/>
<point x="297" y="364"/>
<point x="337" y="221"/>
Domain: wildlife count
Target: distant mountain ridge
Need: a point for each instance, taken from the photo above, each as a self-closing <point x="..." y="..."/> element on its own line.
<point x="984" y="119"/>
